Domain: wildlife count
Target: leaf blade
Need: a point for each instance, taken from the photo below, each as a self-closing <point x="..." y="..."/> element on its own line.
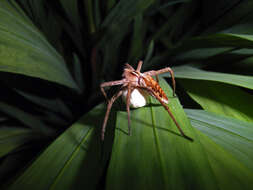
<point x="71" y="158"/>
<point x="235" y="136"/>
<point x="25" y="51"/>
<point x="146" y="152"/>
<point x="220" y="98"/>
<point x="188" y="72"/>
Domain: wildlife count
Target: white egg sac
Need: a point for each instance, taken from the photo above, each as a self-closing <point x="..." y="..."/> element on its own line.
<point x="138" y="98"/>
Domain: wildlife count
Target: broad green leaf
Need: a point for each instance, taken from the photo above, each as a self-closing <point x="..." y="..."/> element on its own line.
<point x="44" y="18"/>
<point x="218" y="40"/>
<point x="204" y="46"/>
<point x="15" y="162"/>
<point x="74" y="160"/>
<point x="203" y="53"/>
<point x="235" y="136"/>
<point x="228" y="171"/>
<point x="25" y="51"/>
<point x="188" y="72"/>
<point x="156" y="156"/>
<point x="11" y="138"/>
<point x="220" y="98"/>
<point x="245" y="66"/>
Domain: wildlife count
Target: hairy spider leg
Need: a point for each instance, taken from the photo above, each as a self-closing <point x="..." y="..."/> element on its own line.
<point x="168" y="110"/>
<point x="161" y="71"/>
<point x="111" y="83"/>
<point x="129" y="92"/>
<point x="139" y="70"/>
<point x="108" y="110"/>
<point x="157" y="79"/>
<point x="139" y="66"/>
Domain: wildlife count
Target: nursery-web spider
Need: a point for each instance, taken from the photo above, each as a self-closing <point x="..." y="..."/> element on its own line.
<point x="134" y="79"/>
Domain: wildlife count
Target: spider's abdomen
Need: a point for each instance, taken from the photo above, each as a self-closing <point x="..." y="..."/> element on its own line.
<point x="156" y="89"/>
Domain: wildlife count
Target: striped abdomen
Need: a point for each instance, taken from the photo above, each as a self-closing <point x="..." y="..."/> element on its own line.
<point x="151" y="83"/>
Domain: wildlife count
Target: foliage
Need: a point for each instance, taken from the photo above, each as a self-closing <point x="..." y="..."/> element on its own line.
<point x="54" y="55"/>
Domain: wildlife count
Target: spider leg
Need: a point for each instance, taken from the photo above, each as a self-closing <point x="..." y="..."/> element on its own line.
<point x="111" y="83"/>
<point x="165" y="70"/>
<point x="157" y="79"/>
<point x="169" y="112"/>
<point x="129" y="91"/>
<point x="139" y="66"/>
<point x="108" y="110"/>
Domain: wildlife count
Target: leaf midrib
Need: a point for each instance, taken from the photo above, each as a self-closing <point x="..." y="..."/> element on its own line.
<point x="157" y="144"/>
<point x="60" y="173"/>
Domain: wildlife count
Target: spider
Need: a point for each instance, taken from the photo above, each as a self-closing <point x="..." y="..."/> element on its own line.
<point x="134" y="81"/>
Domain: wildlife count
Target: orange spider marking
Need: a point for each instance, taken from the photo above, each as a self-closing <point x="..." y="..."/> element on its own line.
<point x="150" y="82"/>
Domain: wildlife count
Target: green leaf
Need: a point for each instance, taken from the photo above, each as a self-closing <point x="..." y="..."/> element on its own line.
<point x="25" y="51"/>
<point x="245" y="66"/>
<point x="74" y="160"/>
<point x="204" y="46"/>
<point x="218" y="40"/>
<point x="188" y="72"/>
<point x="156" y="156"/>
<point x="203" y="53"/>
<point x="235" y="136"/>
<point x="11" y="138"/>
<point x="220" y="98"/>
<point x="228" y="171"/>
<point x="43" y="18"/>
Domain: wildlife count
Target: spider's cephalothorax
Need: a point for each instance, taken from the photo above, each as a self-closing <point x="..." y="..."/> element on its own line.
<point x="136" y="78"/>
<point x="141" y="83"/>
